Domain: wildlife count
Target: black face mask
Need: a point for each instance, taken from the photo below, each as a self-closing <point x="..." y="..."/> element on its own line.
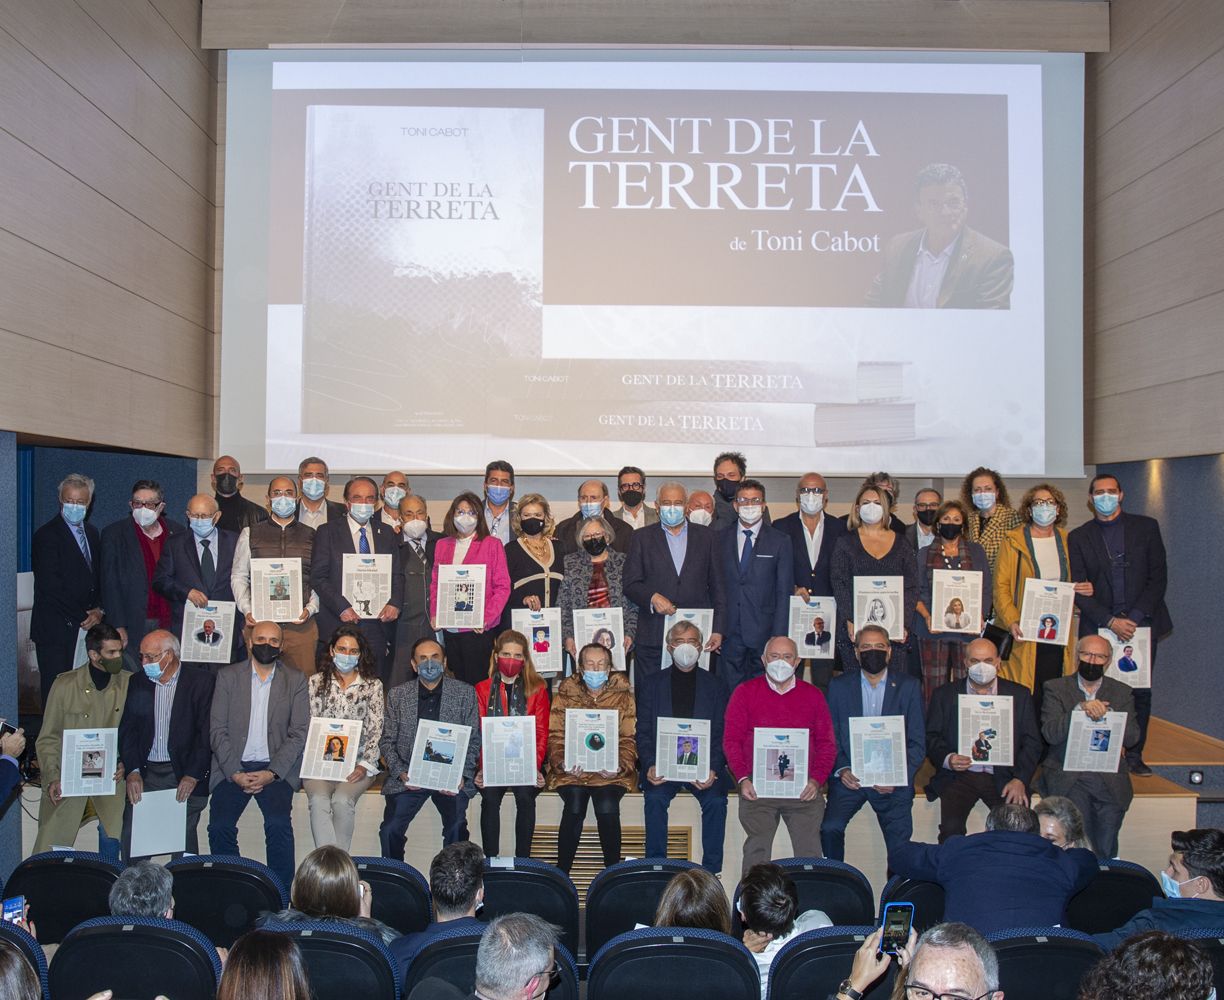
<point x="873" y="661"/>
<point x="265" y="652"/>
<point x="533" y="525"/>
<point x="595" y="545"/>
<point x="227" y="484"/>
<point x="950" y="532"/>
<point x="631" y="497"/>
<point x="1091" y="672"/>
<point x="926" y="517"/>
<point x="728" y="488"/>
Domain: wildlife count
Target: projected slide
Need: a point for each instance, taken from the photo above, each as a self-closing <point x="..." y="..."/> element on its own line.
<point x="576" y="265"/>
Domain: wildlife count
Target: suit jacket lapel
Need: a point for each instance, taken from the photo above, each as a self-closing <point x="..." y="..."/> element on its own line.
<point x="662" y="542"/>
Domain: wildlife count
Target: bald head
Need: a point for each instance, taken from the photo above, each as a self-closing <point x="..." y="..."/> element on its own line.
<point x="202" y="505"/>
<point x="981" y="651"/>
<point x="226" y="463"/>
<point x="700" y="500"/>
<point x="1095" y="645"/>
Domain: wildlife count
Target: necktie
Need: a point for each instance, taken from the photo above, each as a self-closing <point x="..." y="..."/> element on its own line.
<point x="208" y="565"/>
<point x="83" y="542"/>
<point x="363" y="544"/>
<point x="420" y="550"/>
<point x="746" y="555"/>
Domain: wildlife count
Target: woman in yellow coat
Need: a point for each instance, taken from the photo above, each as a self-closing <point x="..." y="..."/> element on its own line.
<point x="1038" y="548"/>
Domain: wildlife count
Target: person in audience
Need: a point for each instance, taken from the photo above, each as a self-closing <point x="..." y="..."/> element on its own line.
<point x="346" y="686"/>
<point x="90" y="696"/>
<point x="517" y="958"/>
<point x="260" y="715"/>
<point x="1007" y="876"/>
<point x="1153" y="964"/>
<point x="672" y="564"/>
<point x="730" y="468"/>
<point x="758" y="576"/>
<point x="769" y="913"/>
<point x="631" y="490"/>
<point x="237" y="512"/>
<point x="699" y="508"/>
<point x="143" y="889"/>
<point x="498" y="505"/>
<point x="357" y="533"/>
<point x="130" y="549"/>
<point x="468" y="541"/>
<point x="594" y="577"/>
<point x="873" y="689"/>
<point x="958" y="782"/>
<point x="593" y="687"/>
<point x="164" y="733"/>
<point x="18" y="980"/>
<point x="512" y="688"/>
<point x="1123" y="557"/>
<point x="984" y="494"/>
<point x="456" y="884"/>
<point x="683" y="692"/>
<point x="418" y="541"/>
<point x="778" y="699"/>
<point x="65" y="554"/>
<point x="923" y="532"/>
<point x="328" y="887"/>
<point x="1193" y="883"/>
<point x="870" y="964"/>
<point x="1102" y="798"/>
<point x="1062" y="824"/>
<point x="12" y="746"/>
<point x="267" y="965"/>
<point x="534" y="561"/>
<point x="593" y="502"/>
<point x="948" y="960"/>
<point x="314" y="480"/>
<point x="441" y="697"/>
<point x="870" y="549"/>
<point x="694" y="898"/>
<point x="395" y="487"/>
<point x="281" y="536"/>
<point x="1037" y="548"/>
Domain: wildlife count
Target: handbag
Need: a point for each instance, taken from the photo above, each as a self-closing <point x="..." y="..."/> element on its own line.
<point x="1001" y="637"/>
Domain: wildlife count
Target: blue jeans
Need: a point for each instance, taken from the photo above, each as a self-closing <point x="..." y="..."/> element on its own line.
<point x="275" y="801"/>
<point x="401" y="809"/>
<point x="108" y="847"/>
<point x="894" y="811"/>
<point x="713" y="802"/>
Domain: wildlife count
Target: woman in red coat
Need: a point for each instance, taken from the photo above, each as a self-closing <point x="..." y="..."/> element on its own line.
<point x="513" y="688"/>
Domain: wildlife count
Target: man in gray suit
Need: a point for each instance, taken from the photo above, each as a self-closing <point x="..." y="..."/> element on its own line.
<point x="1102" y="798"/>
<point x="260" y="714"/>
<point x="440" y="698"/>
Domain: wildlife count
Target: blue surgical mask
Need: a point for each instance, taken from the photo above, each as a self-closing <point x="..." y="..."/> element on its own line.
<point x="671" y="514"/>
<point x="1105" y="503"/>
<point x="202" y="526"/>
<point x="74" y="513"/>
<point x="153" y="670"/>
<point x="314" y="488"/>
<point x="591" y="509"/>
<point x="1044" y="514"/>
<point x="284" y="506"/>
<point x="1172" y="889"/>
<point x="430" y="670"/>
<point x="497" y="495"/>
<point x="361" y="512"/>
<point x="346" y="663"/>
<point x="984" y="501"/>
<point x="392" y="495"/>
<point x="595" y="679"/>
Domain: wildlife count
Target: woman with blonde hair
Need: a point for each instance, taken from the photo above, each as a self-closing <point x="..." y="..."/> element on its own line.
<point x="534" y="560"/>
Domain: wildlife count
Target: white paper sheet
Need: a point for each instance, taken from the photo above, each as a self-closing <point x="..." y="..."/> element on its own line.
<point x="508" y="749"/>
<point x="605" y="626"/>
<point x="984" y="724"/>
<point x="812" y="626"/>
<point x="682" y="749"/>
<point x="208" y="632"/>
<point x="1132" y="661"/>
<point x="333" y="747"/>
<point x="367" y="583"/>
<point x="1095" y="746"/>
<point x="956" y="601"/>
<point x="543" y="631"/>
<point x="277" y="594"/>
<point x="88" y="762"/>
<point x="438" y="755"/>
<point x="461" y="596"/>
<point x="1046" y="610"/>
<point x="877" y="751"/>
<point x="159" y="824"/>
<point x="779" y="762"/>
<point x="880" y="600"/>
<point x="592" y="739"/>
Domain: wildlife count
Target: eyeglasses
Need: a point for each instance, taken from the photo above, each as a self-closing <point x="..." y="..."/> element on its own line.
<point x="934" y="505"/>
<point x="553" y="973"/>
<point x="812" y="490"/>
<point x="922" y="993"/>
<point x="146" y="504"/>
<point x="1095" y="657"/>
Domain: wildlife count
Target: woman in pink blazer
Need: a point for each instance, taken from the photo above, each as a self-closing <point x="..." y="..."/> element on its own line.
<point x="466" y="540"/>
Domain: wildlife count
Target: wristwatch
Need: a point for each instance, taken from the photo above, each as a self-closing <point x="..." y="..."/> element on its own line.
<point x="846" y="990"/>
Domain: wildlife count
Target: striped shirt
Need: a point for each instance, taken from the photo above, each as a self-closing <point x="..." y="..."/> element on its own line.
<point x="163" y="705"/>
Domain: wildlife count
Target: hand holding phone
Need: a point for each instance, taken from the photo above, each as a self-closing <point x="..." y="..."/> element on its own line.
<point x="14" y="910"/>
<point x="895" y="926"/>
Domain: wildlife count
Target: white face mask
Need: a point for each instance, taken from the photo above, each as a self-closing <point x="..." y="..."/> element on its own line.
<point x="780" y="671"/>
<point x="465" y="522"/>
<point x="699" y="516"/>
<point x="415" y="528"/>
<point x="983" y="673"/>
<point x="871" y="512"/>
<point x="145" y="517"/>
<point x="750" y="513"/>
<point x="685" y="656"/>
<point x="811" y="503"/>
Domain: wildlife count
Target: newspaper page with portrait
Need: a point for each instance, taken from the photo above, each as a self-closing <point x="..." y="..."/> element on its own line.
<point x="332" y="748"/>
<point x="877" y="751"/>
<point x="812" y="626"/>
<point x="592" y="739"/>
<point x="682" y="749"/>
<point x="1132" y="658"/>
<point x="1095" y="746"/>
<point x="703" y="618"/>
<point x="779" y="762"/>
<point x="208" y="632"/>
<point x="88" y="762"/>
<point x="956" y="601"/>
<point x="605" y="626"/>
<point x="880" y="600"/>
<point x="543" y="631"/>
<point x="438" y="755"/>
<point x="508" y="749"/>
<point x="461" y="596"/>
<point x="367" y="583"/>
<point x="1045" y="611"/>
<point x="277" y="594"/>
<point x="984" y="724"/>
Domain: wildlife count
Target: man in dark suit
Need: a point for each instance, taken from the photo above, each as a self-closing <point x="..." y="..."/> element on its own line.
<point x="417" y="544"/>
<point x="944" y="265"/>
<point x="672" y="564"/>
<point x="260" y="714"/>
<point x="456" y="885"/>
<point x="164" y="733"/>
<point x="592" y="502"/>
<point x="1008" y="876"/>
<point x="315" y="509"/>
<point x="237" y="512"/>
<point x="1123" y="557"/>
<point x="730" y="468"/>
<point x="684" y="692"/>
<point x="922" y="532"/>
<point x="1102" y="798"/>
<point x="958" y="782"/>
<point x="196" y="567"/>
<point x="359" y="533"/>
<point x="131" y="548"/>
<point x="758" y="575"/>
<point x="66" y="559"/>
<point x="872" y="690"/>
<point x="631" y="488"/>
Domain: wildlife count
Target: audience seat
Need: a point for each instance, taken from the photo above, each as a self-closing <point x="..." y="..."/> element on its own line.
<point x="1211" y="940"/>
<point x="927" y="897"/>
<point x="343" y="962"/>
<point x="676" y="963"/>
<point x="135" y="957"/>
<point x="839" y="889"/>
<point x="21" y="939"/>
<point x="533" y="887"/>
<point x="813" y="965"/>
<point x="63" y="889"/>
<point x="627" y="894"/>
<point x="451" y="956"/>
<point x="222" y="895"/>
<point x="1043" y="963"/>
<point x="1119" y="891"/>
<point x="401" y="893"/>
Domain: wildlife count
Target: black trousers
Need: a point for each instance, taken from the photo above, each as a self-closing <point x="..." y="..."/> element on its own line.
<point x="958" y="798"/>
<point x="574" y="800"/>
<point x="468" y="654"/>
<point x="524" y="819"/>
<point x="54" y="658"/>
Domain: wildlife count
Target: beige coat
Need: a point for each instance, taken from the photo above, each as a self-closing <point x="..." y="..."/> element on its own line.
<point x="74" y="703"/>
<point x="572" y="693"/>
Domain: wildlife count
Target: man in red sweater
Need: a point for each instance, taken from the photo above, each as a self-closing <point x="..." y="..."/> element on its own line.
<point x="779" y="701"/>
